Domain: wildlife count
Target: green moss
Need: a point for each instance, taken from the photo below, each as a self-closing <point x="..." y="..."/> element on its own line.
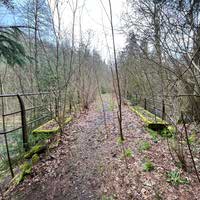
<point x="146" y="116"/>
<point x="172" y="129"/>
<point x="40" y="129"/>
<point x="19" y="178"/>
<point x="39" y="148"/>
<point x="26" y="169"/>
<point x="144" y="119"/>
<point x="35" y="158"/>
<point x="69" y="119"/>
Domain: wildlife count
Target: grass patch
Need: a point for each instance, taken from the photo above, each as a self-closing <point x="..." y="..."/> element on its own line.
<point x="148" y="166"/>
<point x="15" y="149"/>
<point x="153" y="134"/>
<point x="144" y="146"/>
<point x="119" y="141"/>
<point x="128" y="153"/>
<point x="107" y="198"/>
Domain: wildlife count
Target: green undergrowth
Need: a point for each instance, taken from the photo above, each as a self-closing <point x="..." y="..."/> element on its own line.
<point x="119" y="141"/>
<point x="148" y="165"/>
<point x="144" y="146"/>
<point x="128" y="153"/>
<point x="174" y="177"/>
<point x="154" y="134"/>
<point x="36" y="138"/>
<point x="16" y="151"/>
<point x="107" y="198"/>
<point x="193" y="138"/>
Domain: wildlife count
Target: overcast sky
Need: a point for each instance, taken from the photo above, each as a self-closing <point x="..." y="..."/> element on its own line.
<point x="95" y="19"/>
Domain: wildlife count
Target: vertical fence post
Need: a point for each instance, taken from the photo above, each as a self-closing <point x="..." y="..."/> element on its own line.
<point x="163" y="110"/>
<point x="70" y="105"/>
<point x="24" y="124"/>
<point x="56" y="107"/>
<point x="50" y="104"/>
<point x="136" y="97"/>
<point x="4" y="130"/>
<point x="145" y="103"/>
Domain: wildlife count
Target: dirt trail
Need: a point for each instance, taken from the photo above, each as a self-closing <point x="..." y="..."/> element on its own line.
<point x="87" y="166"/>
<point x="72" y="171"/>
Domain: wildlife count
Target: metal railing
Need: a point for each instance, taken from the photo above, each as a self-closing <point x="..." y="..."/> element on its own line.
<point x="33" y="108"/>
<point x="170" y="108"/>
<point x="159" y="107"/>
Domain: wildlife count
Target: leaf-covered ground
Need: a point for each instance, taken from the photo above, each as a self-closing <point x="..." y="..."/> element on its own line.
<point x="88" y="166"/>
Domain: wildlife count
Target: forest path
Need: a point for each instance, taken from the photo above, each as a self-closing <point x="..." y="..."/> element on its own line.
<point x="73" y="170"/>
<point x="89" y="166"/>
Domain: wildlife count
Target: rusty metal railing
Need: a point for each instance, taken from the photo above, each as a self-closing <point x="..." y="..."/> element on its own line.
<point x="25" y="122"/>
<point x="159" y="107"/>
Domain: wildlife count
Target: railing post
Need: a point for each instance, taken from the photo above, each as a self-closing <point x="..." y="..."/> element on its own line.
<point x="163" y="110"/>
<point x="136" y="99"/>
<point x="24" y="124"/>
<point x="56" y="107"/>
<point x="4" y="130"/>
<point x="145" y="103"/>
<point x="70" y="105"/>
<point x="51" y="109"/>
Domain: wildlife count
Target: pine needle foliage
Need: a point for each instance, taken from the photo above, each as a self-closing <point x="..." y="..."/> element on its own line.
<point x="11" y="50"/>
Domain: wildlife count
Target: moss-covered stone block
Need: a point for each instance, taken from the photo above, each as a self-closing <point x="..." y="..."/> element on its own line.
<point x="146" y="116"/>
<point x="38" y="148"/>
<point x="35" y="158"/>
<point x="25" y="169"/>
<point x="153" y="122"/>
<point x="47" y="127"/>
